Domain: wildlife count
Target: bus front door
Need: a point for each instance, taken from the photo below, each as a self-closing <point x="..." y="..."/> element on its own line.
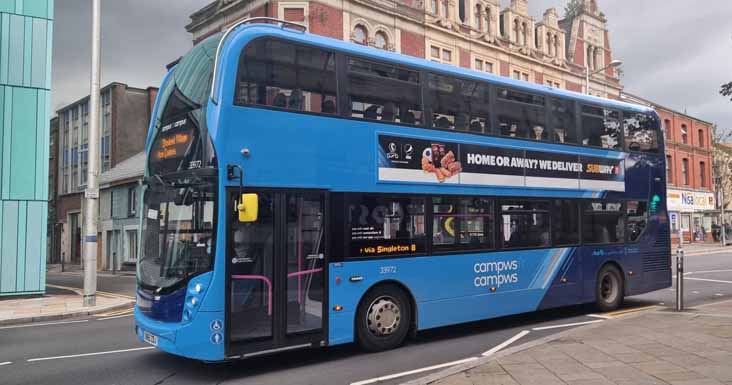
<point x="276" y="293"/>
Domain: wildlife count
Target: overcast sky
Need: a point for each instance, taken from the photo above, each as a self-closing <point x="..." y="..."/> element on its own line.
<point x="676" y="53"/>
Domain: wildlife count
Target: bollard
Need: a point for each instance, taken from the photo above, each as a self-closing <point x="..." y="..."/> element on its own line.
<point x="679" y="279"/>
<point x="114" y="263"/>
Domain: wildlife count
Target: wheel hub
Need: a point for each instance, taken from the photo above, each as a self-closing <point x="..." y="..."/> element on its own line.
<point x="608" y="288"/>
<point x="383" y="316"/>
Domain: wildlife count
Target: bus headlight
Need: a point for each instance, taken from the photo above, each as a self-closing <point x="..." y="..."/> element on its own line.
<point x="198" y="288"/>
<point x="194" y="301"/>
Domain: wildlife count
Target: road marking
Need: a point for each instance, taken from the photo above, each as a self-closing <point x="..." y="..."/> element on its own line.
<point x="719" y="294"/>
<point x="90" y="354"/>
<point x="599" y="316"/>
<point x="566" y="325"/>
<point x="628" y="311"/>
<point x="415" y="371"/>
<point x="115" y="317"/>
<point x="115" y="295"/>
<point x="44" y="324"/>
<point x="710" y="271"/>
<point x="5" y="363"/>
<point x="116" y="312"/>
<point x="505" y="343"/>
<point x="709" y="280"/>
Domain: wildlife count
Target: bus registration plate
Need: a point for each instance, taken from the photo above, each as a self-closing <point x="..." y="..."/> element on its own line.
<point x="150" y="338"/>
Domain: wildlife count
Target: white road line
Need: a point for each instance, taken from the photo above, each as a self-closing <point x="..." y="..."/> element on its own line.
<point x="710" y="271"/>
<point x="415" y="371"/>
<point x="505" y="343"/>
<point x="694" y="292"/>
<point x="708" y="280"/>
<point x="5" y="363"/>
<point x="599" y="316"/>
<point x="719" y="294"/>
<point x="117" y="316"/>
<point x="89" y="354"/>
<point x="44" y="324"/>
<point x="566" y="325"/>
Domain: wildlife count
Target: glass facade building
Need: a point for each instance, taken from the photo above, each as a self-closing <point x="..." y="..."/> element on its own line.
<point x="26" y="28"/>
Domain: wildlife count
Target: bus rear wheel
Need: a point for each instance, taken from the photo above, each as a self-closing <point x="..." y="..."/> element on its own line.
<point x="610" y="288"/>
<point x="383" y="318"/>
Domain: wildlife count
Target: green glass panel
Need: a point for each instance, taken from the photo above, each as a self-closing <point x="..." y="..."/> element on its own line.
<point x="44" y="236"/>
<point x="49" y="53"/>
<point x="33" y="245"/>
<point x="7" y="6"/>
<point x="4" y="47"/>
<point x="27" y="51"/>
<point x="15" y="50"/>
<point x="38" y="58"/>
<point x="9" y="246"/>
<point x="23" y="147"/>
<point x="7" y="120"/>
<point x="35" y="8"/>
<point x="19" y="6"/>
<point x="50" y="9"/>
<point x="20" y="263"/>
<point x="42" y="143"/>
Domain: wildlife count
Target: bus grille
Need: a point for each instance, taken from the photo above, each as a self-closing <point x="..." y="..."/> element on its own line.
<point x="659" y="256"/>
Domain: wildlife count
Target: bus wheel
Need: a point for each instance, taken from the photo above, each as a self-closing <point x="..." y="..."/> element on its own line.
<point x="383" y="318"/>
<point x="610" y="291"/>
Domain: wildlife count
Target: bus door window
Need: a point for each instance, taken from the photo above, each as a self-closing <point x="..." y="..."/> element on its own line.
<point x="289" y="76"/>
<point x="252" y="247"/>
<point x="602" y="222"/>
<point x="384" y="92"/>
<point x="458" y="104"/>
<point x="562" y="121"/>
<point x="305" y="237"/>
<point x="600" y="127"/>
<point x="524" y="224"/>
<point x="521" y="115"/>
<point x="565" y="223"/>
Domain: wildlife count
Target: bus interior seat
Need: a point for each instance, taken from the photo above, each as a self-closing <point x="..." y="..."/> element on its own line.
<point x="295" y="102"/>
<point x="461" y="121"/>
<point x="280" y="100"/>
<point x="408" y="117"/>
<point x="442" y="122"/>
<point x="387" y="112"/>
<point x="475" y="126"/>
<point x="328" y="107"/>
<point x="371" y="112"/>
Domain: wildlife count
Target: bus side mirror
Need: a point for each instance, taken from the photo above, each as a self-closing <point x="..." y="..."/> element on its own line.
<point x="248" y="208"/>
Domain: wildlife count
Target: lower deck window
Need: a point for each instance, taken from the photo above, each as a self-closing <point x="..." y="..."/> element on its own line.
<point x="524" y="224"/>
<point x="383" y="226"/>
<point x="602" y="222"/>
<point x="462" y="223"/>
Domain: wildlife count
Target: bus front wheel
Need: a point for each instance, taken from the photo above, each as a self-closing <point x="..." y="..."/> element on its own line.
<point x="383" y="318"/>
<point x="610" y="289"/>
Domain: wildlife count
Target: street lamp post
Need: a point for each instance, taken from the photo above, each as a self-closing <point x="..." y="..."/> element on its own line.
<point x="588" y="73"/>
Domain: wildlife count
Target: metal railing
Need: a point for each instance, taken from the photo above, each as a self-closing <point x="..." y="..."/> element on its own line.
<point x="263" y="20"/>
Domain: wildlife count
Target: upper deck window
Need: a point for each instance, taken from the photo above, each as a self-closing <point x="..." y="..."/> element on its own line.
<point x="289" y="76"/>
<point x="641" y="132"/>
<point x="521" y="115"/>
<point x="459" y="104"/>
<point x="379" y="91"/>
<point x="601" y="127"/>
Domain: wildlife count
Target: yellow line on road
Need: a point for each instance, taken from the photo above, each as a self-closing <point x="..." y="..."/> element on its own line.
<point x="114" y="313"/>
<point x="619" y="313"/>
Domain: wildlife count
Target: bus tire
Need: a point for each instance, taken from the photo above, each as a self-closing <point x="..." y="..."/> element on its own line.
<point x="383" y="318"/>
<point x="610" y="288"/>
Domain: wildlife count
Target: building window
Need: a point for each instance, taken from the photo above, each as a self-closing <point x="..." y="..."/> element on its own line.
<point x="553" y="83"/>
<point x="131" y="201"/>
<point x="684" y="134"/>
<point x="381" y="41"/>
<point x="669" y="172"/>
<point x="488" y="21"/>
<point x="360" y="34"/>
<point x="111" y="203"/>
<point x="483" y="65"/>
<point x="666" y="129"/>
<point x="703" y="174"/>
<point x="685" y="171"/>
<point x="520" y="75"/>
<point x="461" y="11"/>
<point x="701" y="138"/>
<point x="443" y="9"/>
<point x="433" y="6"/>
<point x="440" y="54"/>
<point x="131" y="245"/>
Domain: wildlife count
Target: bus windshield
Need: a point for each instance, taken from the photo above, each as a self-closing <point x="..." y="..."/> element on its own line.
<point x="178" y="231"/>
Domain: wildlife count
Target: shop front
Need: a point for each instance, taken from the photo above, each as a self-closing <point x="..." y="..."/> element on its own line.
<point x="693" y="213"/>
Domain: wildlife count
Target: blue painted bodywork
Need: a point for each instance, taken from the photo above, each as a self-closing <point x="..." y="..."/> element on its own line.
<point x="290" y="150"/>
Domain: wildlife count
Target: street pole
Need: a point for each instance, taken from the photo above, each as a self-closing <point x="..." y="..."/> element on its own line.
<point x="91" y="194"/>
<point x="680" y="272"/>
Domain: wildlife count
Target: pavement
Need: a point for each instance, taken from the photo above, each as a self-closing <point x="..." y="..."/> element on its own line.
<point x="652" y="347"/>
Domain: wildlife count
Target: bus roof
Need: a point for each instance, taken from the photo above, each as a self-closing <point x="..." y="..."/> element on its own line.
<point x="246" y="31"/>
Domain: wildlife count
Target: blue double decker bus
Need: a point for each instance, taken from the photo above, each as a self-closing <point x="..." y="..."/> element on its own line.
<point x="302" y="191"/>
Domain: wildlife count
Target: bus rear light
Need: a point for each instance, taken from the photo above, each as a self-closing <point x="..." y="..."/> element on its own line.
<point x="338" y="280"/>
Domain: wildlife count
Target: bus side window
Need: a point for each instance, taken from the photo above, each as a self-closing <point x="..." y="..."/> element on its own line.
<point x="562" y="121"/>
<point x="521" y="115"/>
<point x="524" y="224"/>
<point x="383" y="92"/>
<point x="284" y="75"/>
<point x="637" y="219"/>
<point x="602" y="222"/>
<point x="458" y="104"/>
<point x="640" y="132"/>
<point x="600" y="127"/>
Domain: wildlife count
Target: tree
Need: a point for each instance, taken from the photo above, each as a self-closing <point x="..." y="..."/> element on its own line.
<point x="722" y="165"/>
<point x="726" y="90"/>
<point x="573" y="8"/>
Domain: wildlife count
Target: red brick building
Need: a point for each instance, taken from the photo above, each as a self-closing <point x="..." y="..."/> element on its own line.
<point x="476" y="34"/>
<point x="689" y="172"/>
